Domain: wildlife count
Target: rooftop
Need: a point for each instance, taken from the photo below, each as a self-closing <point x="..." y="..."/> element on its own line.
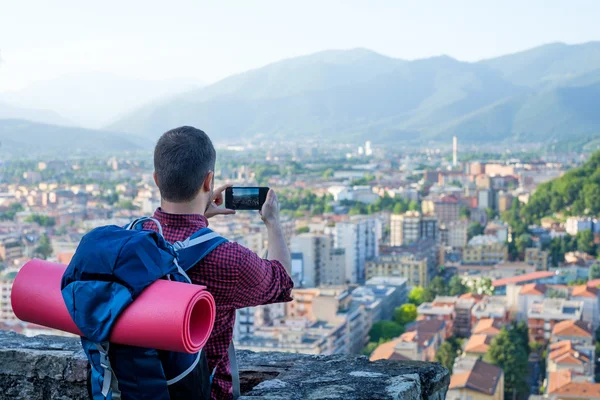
<point x="565" y="353"/>
<point x="535" y="289"/>
<point x="487" y="326"/>
<point x="573" y="328"/>
<point x="562" y="383"/>
<point x="484" y="240"/>
<point x="476" y="375"/>
<point x="584" y="291"/>
<point x="523" y="278"/>
<point x="557" y="309"/>
<point x="479" y="344"/>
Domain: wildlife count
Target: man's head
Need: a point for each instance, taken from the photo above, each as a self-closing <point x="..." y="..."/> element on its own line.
<point x="184" y="161"/>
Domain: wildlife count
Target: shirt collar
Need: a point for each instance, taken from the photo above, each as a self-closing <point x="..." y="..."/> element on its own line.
<point x="180" y="220"/>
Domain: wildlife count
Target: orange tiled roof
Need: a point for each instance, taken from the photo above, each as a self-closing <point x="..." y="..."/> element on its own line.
<point x="584" y="291"/>
<point x="478" y="344"/>
<point x="476" y="297"/>
<point x="487" y="326"/>
<point x="523" y="278"/>
<point x="533" y="289"/>
<point x="384" y="351"/>
<point x="564" y="353"/>
<point x="561" y="383"/>
<point x="482" y="378"/>
<point x="572" y="328"/>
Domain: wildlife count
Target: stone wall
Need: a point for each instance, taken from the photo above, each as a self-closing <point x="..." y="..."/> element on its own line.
<point x="49" y="367"/>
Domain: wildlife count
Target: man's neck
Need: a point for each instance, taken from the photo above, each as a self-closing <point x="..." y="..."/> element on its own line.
<point x="193" y="207"/>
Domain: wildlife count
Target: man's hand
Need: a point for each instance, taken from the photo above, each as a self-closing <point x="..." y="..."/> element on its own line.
<point x="270" y="210"/>
<point x="217" y="200"/>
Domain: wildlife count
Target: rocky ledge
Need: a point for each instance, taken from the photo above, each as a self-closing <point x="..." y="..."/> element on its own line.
<point x="50" y="367"/>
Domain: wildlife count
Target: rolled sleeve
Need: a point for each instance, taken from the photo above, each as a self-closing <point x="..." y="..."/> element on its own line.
<point x="260" y="281"/>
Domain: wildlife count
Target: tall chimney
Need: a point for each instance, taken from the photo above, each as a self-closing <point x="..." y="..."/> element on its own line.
<point x="454" y="151"/>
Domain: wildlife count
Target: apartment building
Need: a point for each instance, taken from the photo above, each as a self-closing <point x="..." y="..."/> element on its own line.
<point x="446" y="208"/>
<point x="577" y="332"/>
<point x="411" y="227"/>
<point x="565" y="355"/>
<point x="543" y="316"/>
<point x="540" y="259"/>
<point x="442" y="308"/>
<point x="590" y="298"/>
<point x="322" y="264"/>
<point x="417" y="263"/>
<point x="359" y="238"/>
<point x="485" y="250"/>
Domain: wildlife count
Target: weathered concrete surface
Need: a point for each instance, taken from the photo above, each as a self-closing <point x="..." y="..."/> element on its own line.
<point x="49" y="367"/>
<point x="297" y="376"/>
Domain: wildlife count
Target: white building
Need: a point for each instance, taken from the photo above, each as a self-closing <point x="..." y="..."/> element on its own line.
<point x="359" y="237"/>
<point x="591" y="303"/>
<point x="578" y="224"/>
<point x="322" y="264"/>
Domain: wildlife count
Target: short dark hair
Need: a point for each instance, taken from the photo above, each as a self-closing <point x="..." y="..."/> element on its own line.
<point x="182" y="158"/>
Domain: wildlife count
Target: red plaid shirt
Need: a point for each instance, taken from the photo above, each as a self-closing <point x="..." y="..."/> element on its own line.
<point x="237" y="278"/>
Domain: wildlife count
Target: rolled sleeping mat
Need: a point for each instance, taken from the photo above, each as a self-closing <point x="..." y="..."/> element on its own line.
<point x="167" y="315"/>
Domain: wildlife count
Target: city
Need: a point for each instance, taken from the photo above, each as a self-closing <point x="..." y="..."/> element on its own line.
<point x="395" y="255"/>
<point x="320" y="199"/>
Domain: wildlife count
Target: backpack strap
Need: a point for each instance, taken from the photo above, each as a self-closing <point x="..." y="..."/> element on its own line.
<point x="193" y="249"/>
<point x="137" y="221"/>
<point x="110" y="381"/>
<point x="235" y="373"/>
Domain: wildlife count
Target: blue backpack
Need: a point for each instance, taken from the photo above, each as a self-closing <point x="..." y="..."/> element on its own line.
<point x="111" y="267"/>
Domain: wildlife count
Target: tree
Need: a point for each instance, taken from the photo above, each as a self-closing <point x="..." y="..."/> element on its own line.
<point x="328" y="209"/>
<point x="595" y="271"/>
<point x="416" y="296"/>
<point x="127" y="205"/>
<point x="465" y="212"/>
<point x="398" y="208"/>
<point x="585" y="242"/>
<point x="510" y="351"/>
<point x="405" y="314"/>
<point x="475" y="229"/>
<point x="369" y="348"/>
<point x="328" y="173"/>
<point x="483" y="286"/>
<point x="41" y="220"/>
<point x="385" y="330"/>
<point x="413" y="206"/>
<point x="303" y="229"/>
<point x="438" y="286"/>
<point x="523" y="242"/>
<point x="448" y="352"/>
<point x="491" y="214"/>
<point x="44" y="248"/>
<point x="446" y="355"/>
<point x="456" y="287"/>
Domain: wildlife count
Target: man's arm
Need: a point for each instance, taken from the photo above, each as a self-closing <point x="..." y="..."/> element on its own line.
<point x="277" y="248"/>
<point x="265" y="281"/>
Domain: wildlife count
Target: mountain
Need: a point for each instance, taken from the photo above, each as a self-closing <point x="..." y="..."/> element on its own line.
<point x="549" y="64"/>
<point x="21" y="137"/>
<point x="44" y="116"/>
<point x="353" y="95"/>
<point x="95" y="99"/>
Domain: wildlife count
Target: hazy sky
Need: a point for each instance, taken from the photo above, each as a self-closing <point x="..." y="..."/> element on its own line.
<point x="208" y="40"/>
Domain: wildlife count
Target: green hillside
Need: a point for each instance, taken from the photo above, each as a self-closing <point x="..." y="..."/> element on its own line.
<point x="577" y="192"/>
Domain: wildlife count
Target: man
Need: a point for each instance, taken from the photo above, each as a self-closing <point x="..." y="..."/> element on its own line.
<point x="184" y="162"/>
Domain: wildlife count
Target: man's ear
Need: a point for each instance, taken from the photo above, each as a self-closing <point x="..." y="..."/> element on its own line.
<point x="207" y="184"/>
<point x="155" y="178"/>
